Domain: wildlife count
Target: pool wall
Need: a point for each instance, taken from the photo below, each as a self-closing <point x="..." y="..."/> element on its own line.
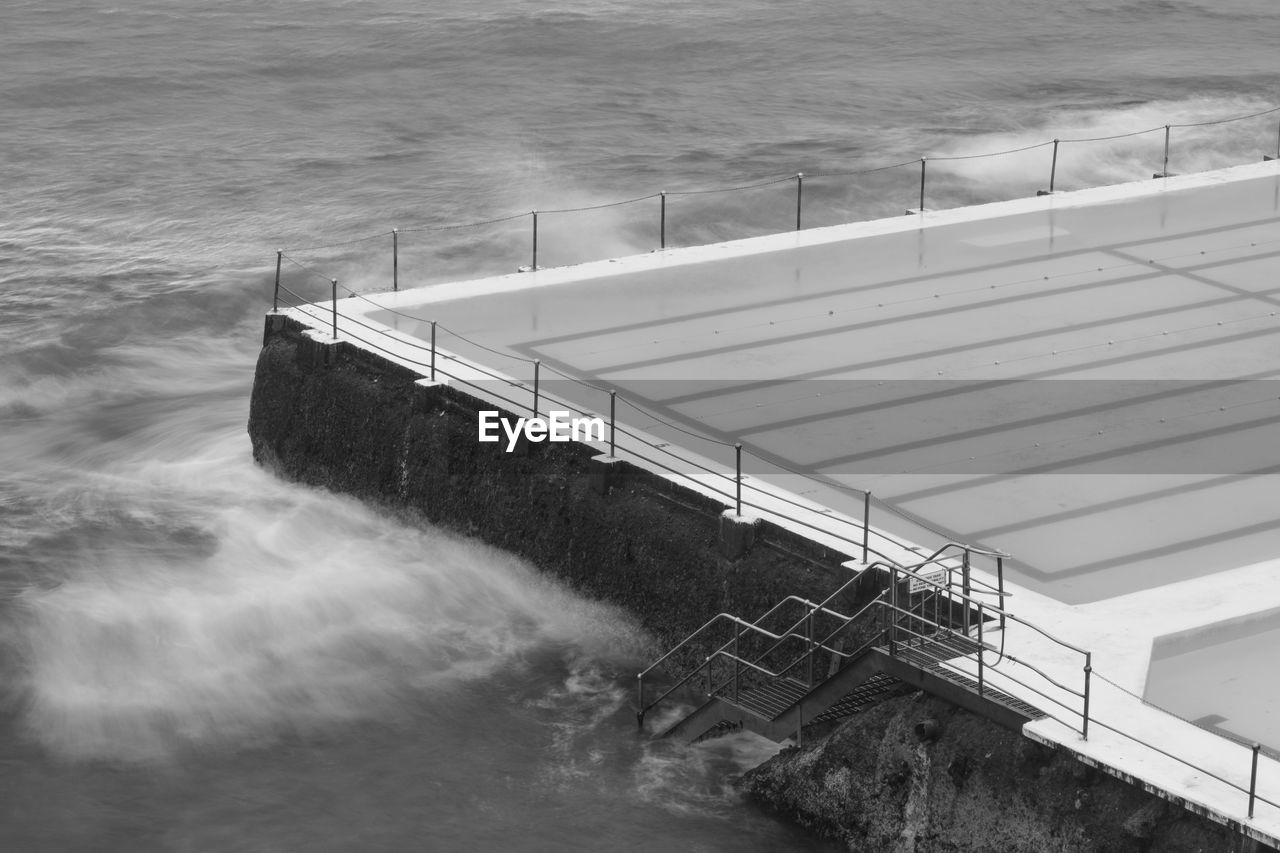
<point x="333" y="416"/>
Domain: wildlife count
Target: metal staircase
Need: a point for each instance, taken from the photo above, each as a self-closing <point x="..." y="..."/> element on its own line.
<point x="933" y="627"/>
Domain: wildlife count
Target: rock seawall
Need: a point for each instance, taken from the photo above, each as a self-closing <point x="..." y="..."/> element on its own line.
<point x="877" y="785"/>
<point x="336" y="417"/>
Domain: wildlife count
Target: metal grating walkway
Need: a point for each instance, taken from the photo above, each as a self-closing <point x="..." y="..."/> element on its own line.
<point x="865" y="694"/>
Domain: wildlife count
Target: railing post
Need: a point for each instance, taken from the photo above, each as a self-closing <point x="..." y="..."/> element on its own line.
<point x="433" y="350"/>
<point x="799" y="194"/>
<point x="1253" y="778"/>
<point x="537" y="364"/>
<point x="395" y="259"/>
<point x="662" y="221"/>
<point x="922" y="159"/>
<point x="1053" y="167"/>
<point x="737" y="632"/>
<point x="275" y="300"/>
<point x="1000" y="587"/>
<point x="334" y="289"/>
<point x="640" y="700"/>
<point x="809" y="667"/>
<point x="1164" y="173"/>
<point x="613" y="408"/>
<point x="866" y="527"/>
<point x="966" y="589"/>
<point x="937" y="602"/>
<point x="1088" y="670"/>
<point x="535" y="241"/>
<point x="893" y="609"/>
<point x="737" y="452"/>
<point x="981" y="649"/>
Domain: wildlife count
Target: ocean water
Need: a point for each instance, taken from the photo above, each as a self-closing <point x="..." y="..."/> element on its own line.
<point x="197" y="656"/>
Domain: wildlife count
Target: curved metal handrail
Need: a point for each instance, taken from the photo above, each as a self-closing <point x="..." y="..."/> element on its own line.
<point x="966" y="550"/>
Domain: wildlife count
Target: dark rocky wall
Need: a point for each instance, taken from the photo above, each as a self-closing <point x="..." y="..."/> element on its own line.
<point x="877" y="786"/>
<point x="359" y="425"/>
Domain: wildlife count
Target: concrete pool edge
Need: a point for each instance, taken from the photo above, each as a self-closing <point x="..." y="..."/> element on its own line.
<point x="674" y="257"/>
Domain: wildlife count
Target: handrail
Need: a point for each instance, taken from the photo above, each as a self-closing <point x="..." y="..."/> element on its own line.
<point x="678" y="646"/>
<point x="824" y="530"/>
<point x="798" y="177"/>
<point x="752" y="626"/>
<point x="972" y="549"/>
<point x="1047" y="635"/>
<point x="1195" y="767"/>
<point x="815" y="646"/>
<point x="958" y="595"/>
<point x="966" y="550"/>
<point x="717" y="618"/>
<point x="756" y="666"/>
<point x="813" y="609"/>
<point x="798" y="600"/>
<point x="1042" y="674"/>
<point x="879" y="601"/>
<point x="822" y="644"/>
<point x="644" y="709"/>
<point x="855" y="616"/>
<point x="720" y="652"/>
<point x="1015" y="680"/>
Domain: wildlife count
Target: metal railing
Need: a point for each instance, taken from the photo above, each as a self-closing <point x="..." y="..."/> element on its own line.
<point x="905" y="629"/>
<point x="1058" y="146"/>
<point x="804" y="628"/>
<point x="974" y="615"/>
<point x="700" y="634"/>
<point x="899" y="629"/>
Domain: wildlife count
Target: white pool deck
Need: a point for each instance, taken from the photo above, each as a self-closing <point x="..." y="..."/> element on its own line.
<point x="1082" y="380"/>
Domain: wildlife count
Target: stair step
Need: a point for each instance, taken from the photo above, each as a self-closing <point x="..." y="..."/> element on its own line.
<point x="720" y="729"/>
<point x="866" y="693"/>
<point x="924" y="659"/>
<point x="771" y="699"/>
<point x="942" y="646"/>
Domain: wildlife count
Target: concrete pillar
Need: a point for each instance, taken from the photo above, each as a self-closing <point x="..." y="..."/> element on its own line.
<point x="427" y="396"/>
<point x="870" y="583"/>
<point x="274" y="324"/>
<point x="737" y="534"/>
<point x="317" y="349"/>
<point x="605" y="473"/>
